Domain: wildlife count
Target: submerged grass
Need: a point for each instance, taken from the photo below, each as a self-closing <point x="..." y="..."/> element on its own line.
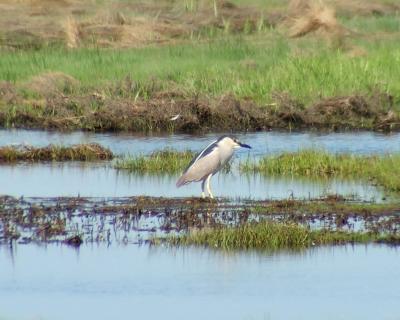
<point x="164" y="161"/>
<point x="269" y="235"/>
<point x="384" y="170"/>
<point x="79" y="152"/>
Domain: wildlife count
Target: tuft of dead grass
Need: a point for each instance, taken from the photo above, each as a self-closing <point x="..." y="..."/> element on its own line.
<point x="72" y="33"/>
<point x="311" y="17"/>
<point x="51" y="83"/>
<point x="79" y="152"/>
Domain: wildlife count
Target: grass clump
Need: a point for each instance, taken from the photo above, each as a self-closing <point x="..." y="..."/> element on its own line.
<point x="79" y="152"/>
<point x="164" y="161"/>
<point x="383" y="170"/>
<point x="268" y="235"/>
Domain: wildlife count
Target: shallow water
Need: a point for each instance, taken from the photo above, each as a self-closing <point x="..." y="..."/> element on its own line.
<point x="262" y="142"/>
<point x="102" y="181"/>
<point x="119" y="282"/>
<point x="98" y="180"/>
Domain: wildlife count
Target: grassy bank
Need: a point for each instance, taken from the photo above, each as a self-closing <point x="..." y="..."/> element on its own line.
<point x="383" y="170"/>
<point x="229" y="66"/>
<point x="79" y="152"/>
<point x="274" y="236"/>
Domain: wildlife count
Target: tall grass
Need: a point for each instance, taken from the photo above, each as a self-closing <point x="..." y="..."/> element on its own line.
<point x="384" y="170"/>
<point x="304" y="68"/>
<point x="269" y="235"/>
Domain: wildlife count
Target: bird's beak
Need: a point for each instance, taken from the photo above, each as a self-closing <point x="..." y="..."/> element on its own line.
<point x="243" y="145"/>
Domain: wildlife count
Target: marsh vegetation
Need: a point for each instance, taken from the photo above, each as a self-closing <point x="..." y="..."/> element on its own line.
<point x="80" y="152"/>
<point x="272" y="236"/>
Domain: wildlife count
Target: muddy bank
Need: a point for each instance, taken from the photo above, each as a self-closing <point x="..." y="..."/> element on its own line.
<point x="79" y="152"/>
<point x="139" y="219"/>
<point x="97" y="112"/>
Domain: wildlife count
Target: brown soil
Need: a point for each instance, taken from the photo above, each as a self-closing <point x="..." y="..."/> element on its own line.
<point x="97" y="112"/>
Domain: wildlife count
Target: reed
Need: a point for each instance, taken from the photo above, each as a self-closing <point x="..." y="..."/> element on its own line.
<point x="272" y="236"/>
<point x="383" y="169"/>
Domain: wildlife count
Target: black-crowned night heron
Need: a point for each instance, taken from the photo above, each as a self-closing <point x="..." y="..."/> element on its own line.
<point x="209" y="161"/>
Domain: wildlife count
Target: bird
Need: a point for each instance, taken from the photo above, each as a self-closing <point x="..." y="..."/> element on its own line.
<point x="175" y="117"/>
<point x="209" y="161"/>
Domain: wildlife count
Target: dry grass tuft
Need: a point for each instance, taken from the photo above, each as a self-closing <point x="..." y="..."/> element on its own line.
<point x="51" y="83"/>
<point x="79" y="152"/>
<point x="72" y="33"/>
<point x="315" y="17"/>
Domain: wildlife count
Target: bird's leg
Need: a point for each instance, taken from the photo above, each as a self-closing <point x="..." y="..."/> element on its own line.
<point x="208" y="187"/>
<point x="203" y="183"/>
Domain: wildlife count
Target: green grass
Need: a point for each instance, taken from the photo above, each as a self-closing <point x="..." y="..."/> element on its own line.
<point x="167" y="161"/>
<point x="160" y="162"/>
<point x="384" y="170"/>
<point x="306" y="69"/>
<point x="269" y="235"/>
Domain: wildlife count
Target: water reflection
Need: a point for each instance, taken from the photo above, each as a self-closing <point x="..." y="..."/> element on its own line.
<point x="262" y="142"/>
<point x="98" y="180"/>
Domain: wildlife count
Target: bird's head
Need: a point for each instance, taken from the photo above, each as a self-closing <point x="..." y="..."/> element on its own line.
<point x="233" y="142"/>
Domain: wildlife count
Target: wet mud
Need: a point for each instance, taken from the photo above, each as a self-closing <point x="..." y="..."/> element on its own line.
<point x="74" y="220"/>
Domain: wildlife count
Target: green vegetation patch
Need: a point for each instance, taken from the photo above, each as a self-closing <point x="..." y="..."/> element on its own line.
<point x="269" y="235"/>
<point x="383" y="169"/>
<point x="159" y="162"/>
<point x="79" y="152"/>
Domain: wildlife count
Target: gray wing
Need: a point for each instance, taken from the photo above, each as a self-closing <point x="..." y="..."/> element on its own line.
<point x="207" y="150"/>
<point x="201" y="167"/>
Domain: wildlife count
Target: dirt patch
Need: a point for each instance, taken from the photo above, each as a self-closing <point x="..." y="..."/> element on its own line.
<point x="80" y="152"/>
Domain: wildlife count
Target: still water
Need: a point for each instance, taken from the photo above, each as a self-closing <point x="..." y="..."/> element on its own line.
<point x="91" y="180"/>
<point x="133" y="282"/>
<point x="101" y="180"/>
<point x="262" y="142"/>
